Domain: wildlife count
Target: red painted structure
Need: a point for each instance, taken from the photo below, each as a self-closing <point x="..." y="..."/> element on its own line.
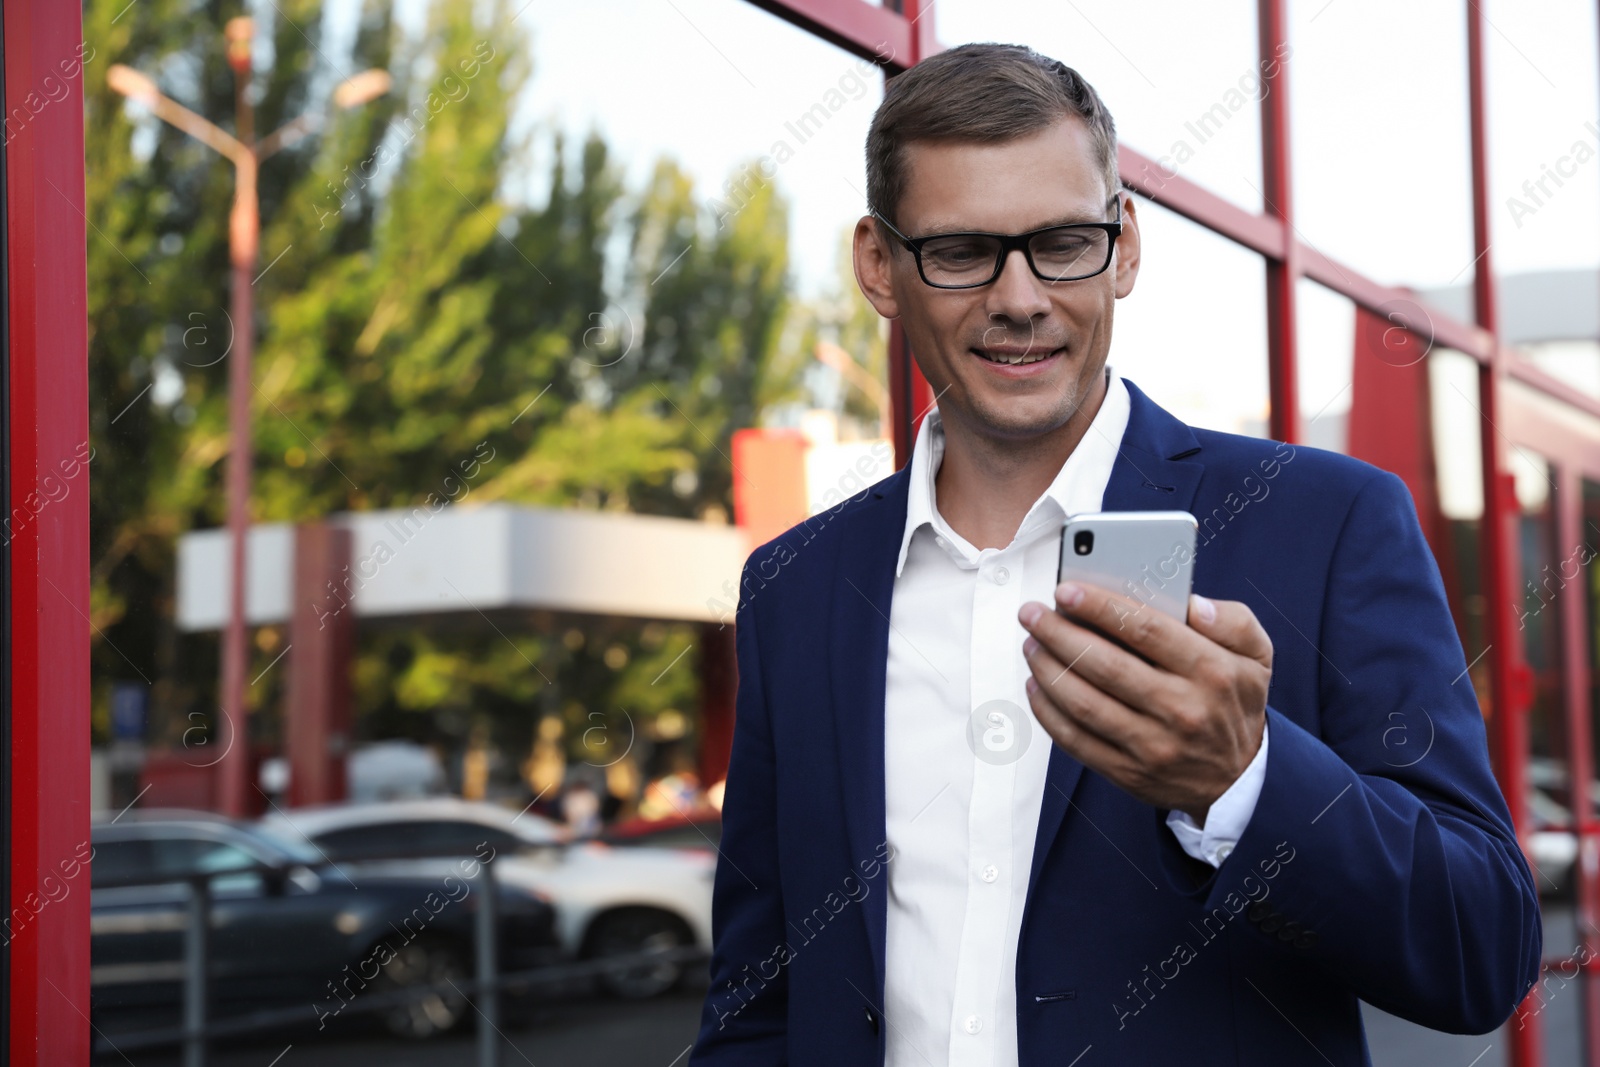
<point x="316" y="712"/>
<point x="47" y="464"/>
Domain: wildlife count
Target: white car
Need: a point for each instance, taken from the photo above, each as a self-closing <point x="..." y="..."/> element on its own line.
<point x="608" y="901"/>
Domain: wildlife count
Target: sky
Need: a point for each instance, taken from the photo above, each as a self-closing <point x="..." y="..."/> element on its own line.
<point x="1379" y="143"/>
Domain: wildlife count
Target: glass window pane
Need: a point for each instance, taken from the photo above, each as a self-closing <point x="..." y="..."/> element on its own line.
<point x="1377" y="92"/>
<point x="1457" y="437"/>
<point x="1575" y="362"/>
<point x="1326" y="346"/>
<point x="1544" y="171"/>
<point x="1192" y="334"/>
<point x="1544" y="134"/>
<point x="1187" y="96"/>
<point x="1591" y="557"/>
<point x="1540" y="618"/>
<point x="1458" y="472"/>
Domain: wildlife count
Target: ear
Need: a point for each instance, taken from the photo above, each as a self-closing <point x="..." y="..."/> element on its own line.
<point x="874" y="274"/>
<point x="1127" y="248"/>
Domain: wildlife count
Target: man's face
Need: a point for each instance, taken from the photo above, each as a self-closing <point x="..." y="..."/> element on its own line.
<point x="1042" y="179"/>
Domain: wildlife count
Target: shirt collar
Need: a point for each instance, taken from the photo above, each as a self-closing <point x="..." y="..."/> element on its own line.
<point x="1097" y="450"/>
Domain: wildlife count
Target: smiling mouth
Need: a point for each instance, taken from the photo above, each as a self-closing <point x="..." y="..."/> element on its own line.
<point x="1015" y="359"/>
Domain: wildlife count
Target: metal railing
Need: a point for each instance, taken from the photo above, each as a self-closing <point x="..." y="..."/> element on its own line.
<point x="197" y="1029"/>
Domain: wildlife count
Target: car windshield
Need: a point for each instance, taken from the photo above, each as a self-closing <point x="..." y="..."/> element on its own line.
<point x="295" y="849"/>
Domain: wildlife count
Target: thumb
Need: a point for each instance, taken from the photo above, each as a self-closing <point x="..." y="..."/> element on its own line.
<point x="1232" y="625"/>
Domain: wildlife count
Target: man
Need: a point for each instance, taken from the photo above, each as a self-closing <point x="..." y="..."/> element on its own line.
<point x="1200" y="848"/>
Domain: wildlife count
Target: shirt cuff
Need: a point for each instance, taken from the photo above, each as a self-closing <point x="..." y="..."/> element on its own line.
<point x="1227" y="818"/>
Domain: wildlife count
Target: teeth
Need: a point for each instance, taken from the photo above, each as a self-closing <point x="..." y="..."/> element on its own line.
<point x="1015" y="360"/>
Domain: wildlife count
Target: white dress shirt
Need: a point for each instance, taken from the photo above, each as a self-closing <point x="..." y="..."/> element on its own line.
<point x="965" y="759"/>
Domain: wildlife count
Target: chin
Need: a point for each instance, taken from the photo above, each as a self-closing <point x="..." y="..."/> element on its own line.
<point x="1010" y="422"/>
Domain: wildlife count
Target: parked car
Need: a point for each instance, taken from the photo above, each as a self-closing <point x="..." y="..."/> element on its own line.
<point x="1552" y="844"/>
<point x="287" y="926"/>
<point x="608" y="901"/>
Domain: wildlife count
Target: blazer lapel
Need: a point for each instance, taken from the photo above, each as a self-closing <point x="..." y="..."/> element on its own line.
<point x="1151" y="473"/>
<point x="858" y="658"/>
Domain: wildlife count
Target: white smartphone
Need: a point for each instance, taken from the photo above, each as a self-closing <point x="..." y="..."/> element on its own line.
<point x="1147" y="556"/>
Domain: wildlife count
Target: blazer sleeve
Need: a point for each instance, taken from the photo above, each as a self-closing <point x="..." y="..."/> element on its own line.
<point x="1381" y="848"/>
<point x="745" y="1016"/>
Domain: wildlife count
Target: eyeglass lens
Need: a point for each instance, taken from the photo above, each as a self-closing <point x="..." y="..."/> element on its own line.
<point x="1058" y="255"/>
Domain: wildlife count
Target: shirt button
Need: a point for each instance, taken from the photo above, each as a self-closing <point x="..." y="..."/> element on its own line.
<point x="1001" y="576"/>
<point x="990" y="873"/>
<point x="973" y="1024"/>
<point x="941" y="542"/>
<point x="1224" y="851"/>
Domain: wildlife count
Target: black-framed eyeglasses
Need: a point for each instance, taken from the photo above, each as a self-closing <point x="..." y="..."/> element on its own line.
<point x="1065" y="253"/>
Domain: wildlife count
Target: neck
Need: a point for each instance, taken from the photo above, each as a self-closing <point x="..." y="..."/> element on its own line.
<point x="985" y="485"/>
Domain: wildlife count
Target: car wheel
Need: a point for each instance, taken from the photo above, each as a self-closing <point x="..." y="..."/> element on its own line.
<point x="629" y="933"/>
<point x="419" y="963"/>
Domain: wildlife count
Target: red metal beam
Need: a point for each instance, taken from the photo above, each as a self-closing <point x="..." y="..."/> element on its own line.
<point x="1151" y="180"/>
<point x="1532" y="375"/>
<point x="47" y="929"/>
<point x="862" y="29"/>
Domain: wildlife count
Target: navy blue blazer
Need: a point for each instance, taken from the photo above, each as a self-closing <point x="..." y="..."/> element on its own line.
<point x="1379" y="863"/>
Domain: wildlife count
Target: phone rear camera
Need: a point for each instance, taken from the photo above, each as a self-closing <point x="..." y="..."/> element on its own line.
<point x="1083" y="542"/>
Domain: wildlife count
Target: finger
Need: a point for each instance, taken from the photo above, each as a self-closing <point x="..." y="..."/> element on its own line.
<point x="1232" y="625"/>
<point x="1105" y="664"/>
<point x="1092" y="709"/>
<point x="1146" y="630"/>
<point x="1142" y="627"/>
<point x="1085" y="704"/>
<point x="1092" y="751"/>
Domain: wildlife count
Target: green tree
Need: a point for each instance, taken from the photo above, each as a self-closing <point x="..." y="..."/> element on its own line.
<point x="413" y="325"/>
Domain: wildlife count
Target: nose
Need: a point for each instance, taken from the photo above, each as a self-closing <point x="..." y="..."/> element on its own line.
<point x="1018" y="294"/>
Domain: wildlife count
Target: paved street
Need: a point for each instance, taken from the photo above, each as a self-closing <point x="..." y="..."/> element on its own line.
<point x="659" y="1033"/>
<point x="592" y="1033"/>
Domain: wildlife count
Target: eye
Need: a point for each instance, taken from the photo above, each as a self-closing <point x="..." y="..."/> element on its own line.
<point x="1061" y="244"/>
<point x="958" y="252"/>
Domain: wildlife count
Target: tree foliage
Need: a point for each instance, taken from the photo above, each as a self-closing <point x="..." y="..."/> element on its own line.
<point x="409" y="316"/>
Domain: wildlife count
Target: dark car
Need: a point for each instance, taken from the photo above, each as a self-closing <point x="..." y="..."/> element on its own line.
<point x="287" y="925"/>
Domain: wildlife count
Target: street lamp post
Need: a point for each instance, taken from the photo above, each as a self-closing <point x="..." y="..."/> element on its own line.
<point x="244" y="234"/>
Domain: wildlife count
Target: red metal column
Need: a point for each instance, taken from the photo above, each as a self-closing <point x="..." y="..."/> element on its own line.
<point x="719" y="683"/>
<point x="910" y="396"/>
<point x="46" y="929"/>
<point x="1509" y="684"/>
<point x="1578" y="628"/>
<point x="1573" y="626"/>
<point x="1277" y="193"/>
<point x="316" y="711"/>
